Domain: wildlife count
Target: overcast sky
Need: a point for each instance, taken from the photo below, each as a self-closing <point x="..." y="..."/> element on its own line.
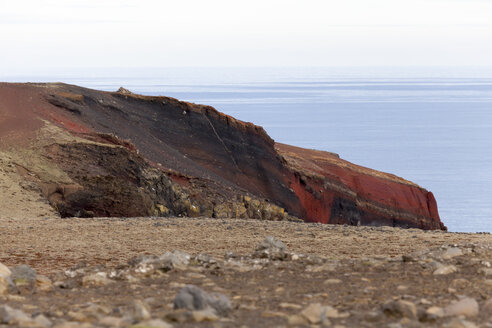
<point x="38" y="34"/>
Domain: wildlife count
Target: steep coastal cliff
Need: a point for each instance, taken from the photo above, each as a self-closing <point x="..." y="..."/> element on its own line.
<point x="93" y="153"/>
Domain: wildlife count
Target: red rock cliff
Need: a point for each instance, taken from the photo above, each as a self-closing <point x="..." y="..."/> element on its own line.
<point x="212" y="157"/>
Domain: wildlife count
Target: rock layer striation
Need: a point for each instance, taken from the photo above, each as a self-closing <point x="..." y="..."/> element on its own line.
<point x="93" y="153"/>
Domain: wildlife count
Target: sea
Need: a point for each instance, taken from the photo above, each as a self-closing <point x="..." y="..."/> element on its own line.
<point x="430" y="125"/>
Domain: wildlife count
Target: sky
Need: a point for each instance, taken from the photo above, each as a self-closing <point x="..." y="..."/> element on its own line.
<point x="40" y="35"/>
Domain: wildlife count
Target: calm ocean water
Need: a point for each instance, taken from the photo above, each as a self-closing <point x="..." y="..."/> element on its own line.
<point x="431" y="126"/>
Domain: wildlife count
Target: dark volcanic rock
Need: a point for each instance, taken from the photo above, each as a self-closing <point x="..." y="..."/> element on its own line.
<point x="139" y="156"/>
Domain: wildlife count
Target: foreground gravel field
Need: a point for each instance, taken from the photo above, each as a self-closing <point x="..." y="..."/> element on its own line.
<point x="162" y="272"/>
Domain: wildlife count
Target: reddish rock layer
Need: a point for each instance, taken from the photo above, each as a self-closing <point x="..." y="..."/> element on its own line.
<point x="211" y="155"/>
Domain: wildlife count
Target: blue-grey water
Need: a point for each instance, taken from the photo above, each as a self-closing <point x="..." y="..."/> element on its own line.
<point x="431" y="126"/>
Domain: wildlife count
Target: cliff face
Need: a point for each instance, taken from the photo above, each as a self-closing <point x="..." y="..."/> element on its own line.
<point x="120" y="154"/>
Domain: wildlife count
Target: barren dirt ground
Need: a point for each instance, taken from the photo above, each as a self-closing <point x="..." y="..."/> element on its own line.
<point x="346" y="276"/>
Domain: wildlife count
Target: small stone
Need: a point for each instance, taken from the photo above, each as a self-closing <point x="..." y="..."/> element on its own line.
<point x="451" y="252"/>
<point x="466" y="306"/>
<point x="332" y="281"/>
<point x="445" y="269"/>
<point x="193" y="298"/>
<point x="43" y="283"/>
<point x="433" y="313"/>
<point x="141" y="310"/>
<point x="12" y="316"/>
<point x="297" y="320"/>
<point x="42" y="321"/>
<point x="290" y="306"/>
<point x="4" y="270"/>
<point x="459" y="323"/>
<point x="271" y="249"/>
<point x="23" y="275"/>
<point x="400" y="308"/>
<point x="96" y="279"/>
<point x="204" y="315"/>
<point x="488" y="282"/>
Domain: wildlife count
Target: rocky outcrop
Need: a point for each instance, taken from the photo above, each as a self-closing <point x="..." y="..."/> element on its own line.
<point x="122" y="154"/>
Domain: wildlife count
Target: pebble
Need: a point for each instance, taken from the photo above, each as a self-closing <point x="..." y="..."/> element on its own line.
<point x="315" y="313"/>
<point x="400" y="308"/>
<point x="43" y="283"/>
<point x="445" y="269"/>
<point x="332" y="281"/>
<point x="467" y="307"/>
<point x="141" y="310"/>
<point x="451" y="252"/>
<point x="4" y="270"/>
<point x="191" y="297"/>
<point x="272" y="249"/>
<point x="96" y="279"/>
<point x="23" y="275"/>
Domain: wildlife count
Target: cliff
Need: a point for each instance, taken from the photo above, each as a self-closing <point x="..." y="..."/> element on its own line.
<point x="94" y="153"/>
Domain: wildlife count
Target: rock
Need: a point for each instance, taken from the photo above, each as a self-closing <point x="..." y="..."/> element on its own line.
<point x="124" y="91"/>
<point x="433" y="313"/>
<point x="96" y="279"/>
<point x="451" y="252"/>
<point x="400" y="308"/>
<point x="116" y="322"/>
<point x="459" y="323"/>
<point x="42" y="321"/>
<point x="155" y="323"/>
<point x="23" y="275"/>
<point x="4" y="270"/>
<point x="485" y="271"/>
<point x="445" y="269"/>
<point x="43" y="283"/>
<point x="168" y="261"/>
<point x="332" y="281"/>
<point x="314" y="313"/>
<point x="467" y="307"/>
<point x="487" y="306"/>
<point x="12" y="316"/>
<point x="193" y="298"/>
<point x="271" y="249"/>
<point x="6" y="285"/>
<point x="141" y="310"/>
<point x="290" y="306"/>
<point x="297" y="320"/>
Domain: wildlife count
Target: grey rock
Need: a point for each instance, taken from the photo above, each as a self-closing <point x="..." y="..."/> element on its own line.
<point x="12" y="316"/>
<point x="272" y="249"/>
<point x="23" y="275"/>
<point x="193" y="298"/>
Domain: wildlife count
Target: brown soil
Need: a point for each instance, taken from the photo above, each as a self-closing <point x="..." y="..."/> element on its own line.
<point x="52" y="244"/>
<point x="368" y="262"/>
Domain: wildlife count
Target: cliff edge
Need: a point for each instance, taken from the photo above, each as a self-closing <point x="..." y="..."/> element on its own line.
<point x="82" y="152"/>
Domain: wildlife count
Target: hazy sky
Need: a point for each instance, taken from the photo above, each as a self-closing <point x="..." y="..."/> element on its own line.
<point x="38" y="34"/>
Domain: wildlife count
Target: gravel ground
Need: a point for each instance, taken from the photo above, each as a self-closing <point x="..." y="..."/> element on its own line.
<point x="338" y="276"/>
